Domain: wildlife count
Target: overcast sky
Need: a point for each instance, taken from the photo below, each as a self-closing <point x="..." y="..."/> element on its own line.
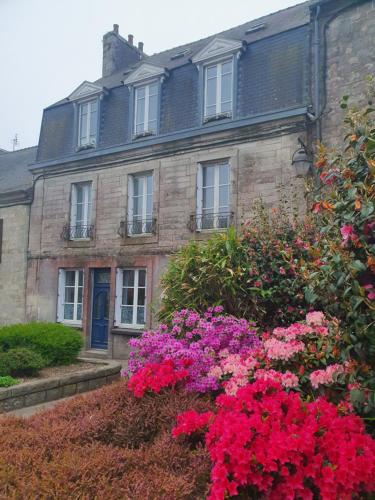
<point x="48" y="47"/>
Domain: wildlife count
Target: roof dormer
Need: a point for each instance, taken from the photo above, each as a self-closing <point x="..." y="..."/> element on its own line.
<point x="144" y="73"/>
<point x="218" y="48"/>
<point x="85" y="91"/>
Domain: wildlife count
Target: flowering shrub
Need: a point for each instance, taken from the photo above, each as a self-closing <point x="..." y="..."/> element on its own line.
<point x="253" y="274"/>
<point x="155" y="376"/>
<point x="194" y="343"/>
<point x="308" y="357"/>
<point x="341" y="271"/>
<point x="266" y="442"/>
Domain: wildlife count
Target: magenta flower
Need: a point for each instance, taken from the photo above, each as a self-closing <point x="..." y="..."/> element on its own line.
<point x="347" y="231"/>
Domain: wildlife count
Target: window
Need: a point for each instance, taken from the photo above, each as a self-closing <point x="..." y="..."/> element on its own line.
<point x="80" y="215"/>
<point x="218" y="89"/>
<point x="88" y="123"/>
<point x="213" y="196"/>
<point x="140" y="219"/>
<point x="131" y="298"/>
<point x="70" y="296"/>
<point x="146" y="109"/>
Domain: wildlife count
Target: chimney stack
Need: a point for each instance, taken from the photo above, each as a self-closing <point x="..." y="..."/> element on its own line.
<point x="118" y="54"/>
<point x="140" y="46"/>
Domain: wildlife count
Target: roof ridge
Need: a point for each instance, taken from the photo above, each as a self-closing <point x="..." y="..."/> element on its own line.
<point x="232" y="28"/>
<point x="19" y="150"/>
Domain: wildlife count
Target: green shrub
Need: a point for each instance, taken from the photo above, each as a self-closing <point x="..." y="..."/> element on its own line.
<point x="253" y="274"/>
<point x="8" y="381"/>
<point x="21" y="362"/>
<point x="57" y="344"/>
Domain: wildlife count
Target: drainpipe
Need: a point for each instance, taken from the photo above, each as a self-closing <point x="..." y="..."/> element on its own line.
<point x="316" y="55"/>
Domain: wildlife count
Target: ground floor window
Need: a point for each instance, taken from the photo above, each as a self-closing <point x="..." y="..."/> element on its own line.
<point x="131" y="298"/>
<point x="70" y="296"/>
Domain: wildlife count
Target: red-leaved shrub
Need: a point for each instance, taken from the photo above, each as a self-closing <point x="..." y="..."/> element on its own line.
<point x="265" y="442"/>
<point x="107" y="443"/>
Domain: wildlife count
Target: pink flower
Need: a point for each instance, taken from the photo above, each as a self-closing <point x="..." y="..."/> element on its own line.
<point x="276" y="349"/>
<point x="258" y="284"/>
<point x="282" y="270"/>
<point x="315" y="318"/>
<point x="347" y="232"/>
<point x="325" y="377"/>
<point x="371" y="296"/>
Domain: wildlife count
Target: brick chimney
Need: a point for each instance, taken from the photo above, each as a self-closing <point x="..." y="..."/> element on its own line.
<point x="118" y="53"/>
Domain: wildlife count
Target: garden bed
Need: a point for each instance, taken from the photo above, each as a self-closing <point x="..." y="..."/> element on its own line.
<point x="59" y="382"/>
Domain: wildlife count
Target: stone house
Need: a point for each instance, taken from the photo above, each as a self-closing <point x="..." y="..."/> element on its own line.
<point x="15" y="200"/>
<point x="169" y="147"/>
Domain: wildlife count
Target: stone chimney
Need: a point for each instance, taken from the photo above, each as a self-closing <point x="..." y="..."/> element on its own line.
<point x="118" y="53"/>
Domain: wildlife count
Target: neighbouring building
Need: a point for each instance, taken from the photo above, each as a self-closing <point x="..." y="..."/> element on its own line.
<point x="169" y="147"/>
<point x="15" y="199"/>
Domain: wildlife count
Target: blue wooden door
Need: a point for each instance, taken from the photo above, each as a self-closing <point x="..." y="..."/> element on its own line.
<point x="100" y="309"/>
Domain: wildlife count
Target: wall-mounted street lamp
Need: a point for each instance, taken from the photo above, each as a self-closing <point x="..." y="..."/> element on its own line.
<point x="301" y="160"/>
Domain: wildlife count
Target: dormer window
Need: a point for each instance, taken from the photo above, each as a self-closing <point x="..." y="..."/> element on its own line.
<point x="146" y="109"/>
<point x="218" y="86"/>
<point x="88" y="123"/>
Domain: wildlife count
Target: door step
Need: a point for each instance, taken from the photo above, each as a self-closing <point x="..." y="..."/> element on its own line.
<point x="95" y="353"/>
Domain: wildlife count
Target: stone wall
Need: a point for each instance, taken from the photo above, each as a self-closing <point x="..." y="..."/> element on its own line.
<point x="13" y="263"/>
<point x="350" y="57"/>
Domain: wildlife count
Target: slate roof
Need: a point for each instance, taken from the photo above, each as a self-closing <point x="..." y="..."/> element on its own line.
<point x="277" y="22"/>
<point x="14" y="172"/>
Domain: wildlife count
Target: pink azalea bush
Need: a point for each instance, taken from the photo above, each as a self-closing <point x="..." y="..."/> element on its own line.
<point x="198" y="340"/>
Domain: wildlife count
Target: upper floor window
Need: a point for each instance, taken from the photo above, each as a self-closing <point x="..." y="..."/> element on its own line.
<point x="146" y="109"/>
<point x="131" y="298"/>
<point x="80" y="211"/>
<point x="140" y="220"/>
<point x="213" y="210"/>
<point x="88" y="123"/>
<point x="218" y="92"/>
<point x="70" y="296"/>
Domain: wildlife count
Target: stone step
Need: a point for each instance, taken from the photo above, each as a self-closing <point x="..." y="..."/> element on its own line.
<point x="95" y="354"/>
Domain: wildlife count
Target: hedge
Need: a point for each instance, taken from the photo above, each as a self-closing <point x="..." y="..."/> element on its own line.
<point x="105" y="444"/>
<point x="57" y="344"/>
<point x="21" y="362"/>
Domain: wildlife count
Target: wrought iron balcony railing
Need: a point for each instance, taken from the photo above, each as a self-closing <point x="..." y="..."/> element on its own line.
<point x="204" y="222"/>
<point x="137" y="227"/>
<point x="80" y="232"/>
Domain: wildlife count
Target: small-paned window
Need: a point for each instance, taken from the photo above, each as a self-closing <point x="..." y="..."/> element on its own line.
<point x="70" y="296"/>
<point x="146" y="109"/>
<point x="140" y="220"/>
<point x="88" y="123"/>
<point x="213" y="187"/>
<point x="80" y="212"/>
<point x="131" y="298"/>
<point x="218" y="93"/>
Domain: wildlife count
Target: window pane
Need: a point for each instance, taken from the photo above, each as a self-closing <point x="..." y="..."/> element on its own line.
<point x="224" y="174"/>
<point x="141" y="296"/>
<point x="127" y="296"/>
<point x="149" y="184"/>
<point x="149" y="206"/>
<point x="226" y="68"/>
<point x="226" y="106"/>
<point x="223" y="196"/>
<point x="127" y="315"/>
<point x="93" y="121"/>
<point x="128" y="278"/>
<point x="69" y="294"/>
<point x="208" y="176"/>
<point x="141" y="278"/>
<point x="226" y="88"/>
<point x="211" y="72"/>
<point x="79" y="193"/>
<point x="141" y="93"/>
<point x="79" y="213"/>
<point x="80" y="278"/>
<point x="68" y="311"/>
<point x="140" y="315"/>
<point x="79" y="312"/>
<point x="70" y="278"/>
<point x="208" y="197"/>
<point x="137" y="186"/>
<point x="137" y="206"/>
<point x="211" y="92"/>
<point x="80" y="289"/>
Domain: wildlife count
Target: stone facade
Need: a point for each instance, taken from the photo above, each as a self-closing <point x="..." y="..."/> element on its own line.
<point x="13" y="265"/>
<point x="350" y="57"/>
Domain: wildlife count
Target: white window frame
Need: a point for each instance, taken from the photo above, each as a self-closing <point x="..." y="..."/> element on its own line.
<point x="218" y="65"/>
<point x="61" y="297"/>
<point x="143" y="177"/>
<point x="146" y="122"/>
<point x="89" y="141"/>
<point x="118" y="302"/>
<point x="86" y="202"/>
<point x="216" y="186"/>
